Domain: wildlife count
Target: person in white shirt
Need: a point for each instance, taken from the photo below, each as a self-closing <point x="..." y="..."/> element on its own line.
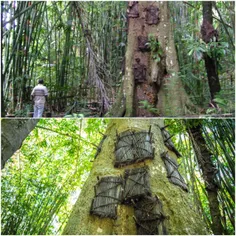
<point x="39" y="95"/>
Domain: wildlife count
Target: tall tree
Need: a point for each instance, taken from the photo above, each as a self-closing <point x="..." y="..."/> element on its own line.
<point x="65" y="58"/>
<point x="209" y="34"/>
<point x="151" y="84"/>
<point x="125" y="137"/>
<point x="13" y="134"/>
<point x="204" y="157"/>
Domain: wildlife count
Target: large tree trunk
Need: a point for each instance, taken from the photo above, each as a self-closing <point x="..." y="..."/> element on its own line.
<point x="210" y="62"/>
<point x="204" y="157"/>
<point x="13" y="133"/>
<point x="160" y="86"/>
<point x="180" y="217"/>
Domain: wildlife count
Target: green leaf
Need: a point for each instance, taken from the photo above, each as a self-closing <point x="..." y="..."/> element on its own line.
<point x="191" y="52"/>
<point x="220" y="101"/>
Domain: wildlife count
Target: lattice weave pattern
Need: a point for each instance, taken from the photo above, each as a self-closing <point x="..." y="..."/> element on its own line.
<point x="107" y="197"/>
<point x="133" y="147"/>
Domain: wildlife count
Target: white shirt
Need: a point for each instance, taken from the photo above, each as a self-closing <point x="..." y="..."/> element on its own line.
<point x="39" y="92"/>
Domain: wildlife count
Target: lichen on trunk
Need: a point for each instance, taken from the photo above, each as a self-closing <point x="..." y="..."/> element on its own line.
<point x="180" y="217"/>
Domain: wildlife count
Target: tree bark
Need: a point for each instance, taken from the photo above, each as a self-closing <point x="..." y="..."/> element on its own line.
<point x="210" y="62"/>
<point x="204" y="157"/>
<point x="13" y="133"/>
<point x="162" y="88"/>
<point x="181" y="217"/>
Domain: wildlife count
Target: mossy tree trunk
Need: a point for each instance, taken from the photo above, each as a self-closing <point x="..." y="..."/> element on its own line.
<point x="161" y="87"/>
<point x="177" y="207"/>
<point x="14" y="131"/>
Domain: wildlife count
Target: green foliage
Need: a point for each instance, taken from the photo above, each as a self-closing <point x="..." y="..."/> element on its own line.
<point x="224" y="104"/>
<point x="186" y="18"/>
<point x="24" y="112"/>
<point x="196" y="48"/>
<point x="43" y="177"/>
<point x="42" y="180"/>
<point x="147" y="106"/>
<point x="156" y="50"/>
<point x="50" y="42"/>
<point x="52" y="45"/>
<point x="219" y="136"/>
<point x="217" y="49"/>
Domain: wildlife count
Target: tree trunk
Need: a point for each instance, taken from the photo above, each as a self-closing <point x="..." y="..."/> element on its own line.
<point x="209" y="171"/>
<point x="14" y="131"/>
<point x="179" y="214"/>
<point x="151" y="66"/>
<point x="210" y="62"/>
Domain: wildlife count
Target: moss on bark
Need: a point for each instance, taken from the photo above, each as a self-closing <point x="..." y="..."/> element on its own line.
<point x="181" y="217"/>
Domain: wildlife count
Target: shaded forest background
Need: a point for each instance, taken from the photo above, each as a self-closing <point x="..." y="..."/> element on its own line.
<point x="79" y="51"/>
<point x="43" y="179"/>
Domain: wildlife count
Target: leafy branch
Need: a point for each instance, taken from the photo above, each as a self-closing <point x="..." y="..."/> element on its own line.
<point x="147" y="106"/>
<point x="156" y="50"/>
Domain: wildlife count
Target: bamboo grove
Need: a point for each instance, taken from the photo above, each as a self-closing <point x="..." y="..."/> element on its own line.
<point x="219" y="142"/>
<point x="43" y="179"/>
<point x="78" y="48"/>
<point x="47" y="176"/>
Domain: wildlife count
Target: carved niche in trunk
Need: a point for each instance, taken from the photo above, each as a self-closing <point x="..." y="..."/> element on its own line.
<point x="140" y="71"/>
<point x="152" y="15"/>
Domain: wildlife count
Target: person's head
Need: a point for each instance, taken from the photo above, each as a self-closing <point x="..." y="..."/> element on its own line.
<point x="40" y="81"/>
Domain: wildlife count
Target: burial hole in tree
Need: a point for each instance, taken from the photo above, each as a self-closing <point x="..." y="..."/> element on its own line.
<point x="140" y="71"/>
<point x="149" y="216"/>
<point x="143" y="44"/>
<point x="133" y="147"/>
<point x="136" y="185"/>
<point x="152" y="15"/>
<point x="168" y="142"/>
<point x="107" y="197"/>
<point x="132" y="11"/>
<point x="208" y="32"/>
<point x="172" y="171"/>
